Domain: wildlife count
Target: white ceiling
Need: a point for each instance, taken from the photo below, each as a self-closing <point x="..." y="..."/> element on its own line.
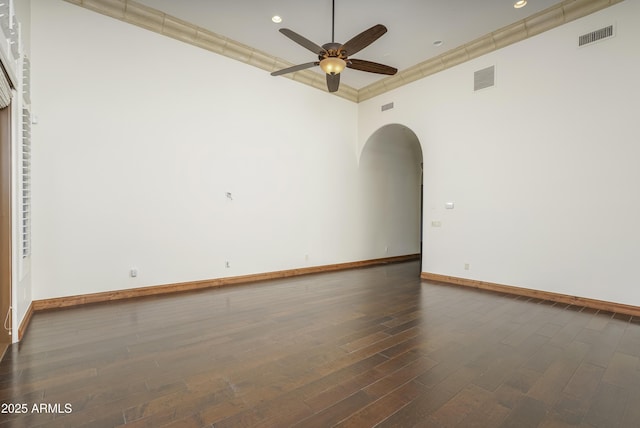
<point x="413" y="25"/>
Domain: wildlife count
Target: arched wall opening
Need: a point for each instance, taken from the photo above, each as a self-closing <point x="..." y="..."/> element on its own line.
<point x="391" y="188"/>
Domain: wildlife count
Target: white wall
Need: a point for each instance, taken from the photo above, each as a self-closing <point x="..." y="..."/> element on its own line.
<point x="543" y="167"/>
<point x="141" y="136"/>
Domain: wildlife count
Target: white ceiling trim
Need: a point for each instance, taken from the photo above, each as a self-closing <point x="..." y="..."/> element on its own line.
<point x="155" y="20"/>
<point x="562" y="13"/>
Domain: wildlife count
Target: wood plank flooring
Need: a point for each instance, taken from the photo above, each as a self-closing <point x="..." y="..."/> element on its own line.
<point x="359" y="348"/>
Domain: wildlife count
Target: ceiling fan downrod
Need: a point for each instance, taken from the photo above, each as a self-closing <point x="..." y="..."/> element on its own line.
<point x="333" y="21"/>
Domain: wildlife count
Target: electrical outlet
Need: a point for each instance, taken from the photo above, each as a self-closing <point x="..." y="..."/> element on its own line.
<point x="466" y="266"/>
<point x="227" y="265"/>
<point x="133" y="272"/>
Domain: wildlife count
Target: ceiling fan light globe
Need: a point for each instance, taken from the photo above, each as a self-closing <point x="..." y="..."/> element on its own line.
<point x="332" y="65"/>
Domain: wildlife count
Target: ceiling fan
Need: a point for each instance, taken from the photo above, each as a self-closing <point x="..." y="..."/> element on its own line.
<point x="334" y="57"/>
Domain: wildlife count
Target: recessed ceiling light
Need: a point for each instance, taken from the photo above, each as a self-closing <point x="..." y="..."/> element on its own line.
<point x="438" y="43"/>
<point x="278" y="20"/>
<point x="520" y="3"/>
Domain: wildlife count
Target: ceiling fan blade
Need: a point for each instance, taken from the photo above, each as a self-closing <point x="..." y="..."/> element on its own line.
<point x="333" y="82"/>
<point x="295" y="68"/>
<point x="302" y="41"/>
<point x="364" y="39"/>
<point x="371" y="67"/>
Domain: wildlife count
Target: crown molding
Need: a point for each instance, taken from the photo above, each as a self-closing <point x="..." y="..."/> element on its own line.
<point x="555" y="16"/>
<point x="157" y="21"/>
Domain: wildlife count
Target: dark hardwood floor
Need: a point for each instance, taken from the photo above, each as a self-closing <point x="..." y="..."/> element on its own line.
<point x="359" y="348"/>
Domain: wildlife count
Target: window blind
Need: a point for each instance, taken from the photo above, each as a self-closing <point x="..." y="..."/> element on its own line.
<point x="25" y="176"/>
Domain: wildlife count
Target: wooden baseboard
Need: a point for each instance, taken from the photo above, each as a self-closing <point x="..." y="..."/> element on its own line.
<point x="527" y="292"/>
<point x="25" y="322"/>
<point x="69" y="301"/>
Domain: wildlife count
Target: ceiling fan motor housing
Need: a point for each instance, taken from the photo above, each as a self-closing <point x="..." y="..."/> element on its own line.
<point x="332" y="50"/>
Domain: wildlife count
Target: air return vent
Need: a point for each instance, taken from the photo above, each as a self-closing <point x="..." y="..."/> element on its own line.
<point x="594" y="36"/>
<point x="484" y="78"/>
<point x="386" y="107"/>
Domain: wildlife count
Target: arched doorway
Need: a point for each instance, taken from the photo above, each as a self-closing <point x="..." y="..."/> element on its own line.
<point x="391" y="185"/>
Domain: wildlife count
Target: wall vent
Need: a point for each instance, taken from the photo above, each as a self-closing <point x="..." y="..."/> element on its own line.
<point x="387" y="107"/>
<point x="596" y="35"/>
<point x="484" y="78"/>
